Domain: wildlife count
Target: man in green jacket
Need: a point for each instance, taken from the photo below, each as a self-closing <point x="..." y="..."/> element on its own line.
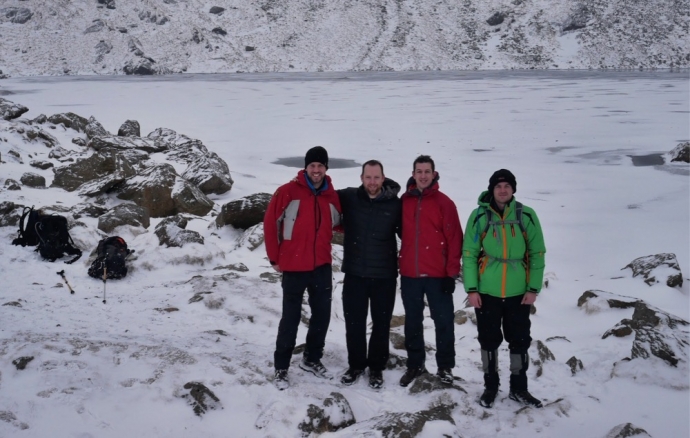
<point x="503" y="268"/>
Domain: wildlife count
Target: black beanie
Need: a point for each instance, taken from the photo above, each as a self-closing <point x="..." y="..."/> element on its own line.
<point x="317" y="154"/>
<point x="499" y="176"/>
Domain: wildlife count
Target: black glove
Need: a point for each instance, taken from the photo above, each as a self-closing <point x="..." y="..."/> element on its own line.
<point x="449" y="285"/>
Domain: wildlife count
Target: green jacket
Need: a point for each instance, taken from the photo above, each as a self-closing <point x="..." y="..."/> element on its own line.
<point x="495" y="264"/>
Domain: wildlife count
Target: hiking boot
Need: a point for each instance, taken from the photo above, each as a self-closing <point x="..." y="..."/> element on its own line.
<point x="316" y="368"/>
<point x="280" y="380"/>
<point x="411" y="374"/>
<point x="445" y="375"/>
<point x="351" y="376"/>
<point x="488" y="397"/>
<point x="375" y="379"/>
<point x="525" y="398"/>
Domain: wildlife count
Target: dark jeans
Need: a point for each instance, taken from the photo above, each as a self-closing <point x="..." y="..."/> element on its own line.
<point x="358" y="292"/>
<point x="506" y="313"/>
<point x="319" y="286"/>
<point x="441" y="308"/>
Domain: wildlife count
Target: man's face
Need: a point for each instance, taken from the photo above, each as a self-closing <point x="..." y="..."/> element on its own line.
<point x="316" y="172"/>
<point x="372" y="180"/>
<point x="503" y="192"/>
<point x="423" y="175"/>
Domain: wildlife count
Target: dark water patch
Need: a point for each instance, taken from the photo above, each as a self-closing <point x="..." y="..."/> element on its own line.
<point x="333" y="163"/>
<point x="482" y="150"/>
<point x="682" y="112"/>
<point x="647" y="160"/>
<point x="557" y="149"/>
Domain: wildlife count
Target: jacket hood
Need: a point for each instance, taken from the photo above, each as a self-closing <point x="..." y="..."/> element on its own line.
<point x="412" y="187"/>
<point x="389" y="190"/>
<point x="486" y="199"/>
<point x="302" y="177"/>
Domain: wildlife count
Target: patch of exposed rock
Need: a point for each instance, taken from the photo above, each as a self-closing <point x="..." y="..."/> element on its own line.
<point x="33" y="180"/>
<point x="334" y="414"/>
<point x="627" y="430"/>
<point x="200" y="398"/>
<point x="664" y="266"/>
<point x="102" y="170"/>
<point x="124" y="214"/>
<point x="245" y="212"/>
<point x="681" y="153"/>
<point x="10" y="110"/>
<point x="171" y="232"/>
<point x="69" y="120"/>
<point x="130" y="128"/>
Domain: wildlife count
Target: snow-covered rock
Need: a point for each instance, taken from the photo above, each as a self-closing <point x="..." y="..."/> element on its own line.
<point x="245" y="212"/>
<point x="658" y="268"/>
<point x="124" y="214"/>
<point x="10" y="110"/>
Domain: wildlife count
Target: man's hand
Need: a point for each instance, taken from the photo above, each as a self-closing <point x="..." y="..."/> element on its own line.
<point x="529" y="298"/>
<point x="449" y="285"/>
<point x="276" y="268"/>
<point x="474" y="299"/>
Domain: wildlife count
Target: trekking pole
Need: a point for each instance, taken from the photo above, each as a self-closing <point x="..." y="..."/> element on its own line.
<point x="105" y="277"/>
<point x="62" y="274"/>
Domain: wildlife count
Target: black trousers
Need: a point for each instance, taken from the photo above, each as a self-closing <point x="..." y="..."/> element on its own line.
<point x="358" y="294"/>
<point x="441" y="308"/>
<point x="319" y="286"/>
<point x="500" y="318"/>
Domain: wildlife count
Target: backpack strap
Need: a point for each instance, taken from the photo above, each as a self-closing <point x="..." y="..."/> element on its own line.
<point x="21" y="239"/>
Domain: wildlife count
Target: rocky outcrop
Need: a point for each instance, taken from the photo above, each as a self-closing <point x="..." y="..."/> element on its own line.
<point x="69" y="120"/>
<point x="104" y="169"/>
<point x="216" y="10"/>
<point x="335" y="414"/>
<point x="41" y="164"/>
<point x="124" y="143"/>
<point x="171" y="232"/>
<point x="627" y="430"/>
<point x="130" y="128"/>
<point x="10" y="213"/>
<point x="681" y="153"/>
<point x="164" y="193"/>
<point x="245" y="212"/>
<point x="252" y="238"/>
<point x="124" y="214"/>
<point x="33" y="180"/>
<point x="658" y="268"/>
<point x="10" y="110"/>
<point x="16" y="15"/>
<point x="403" y="424"/>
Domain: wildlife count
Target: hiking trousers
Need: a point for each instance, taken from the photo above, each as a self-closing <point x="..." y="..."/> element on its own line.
<point x="319" y="286"/>
<point x="442" y="313"/>
<point x="358" y="294"/>
<point x="503" y="318"/>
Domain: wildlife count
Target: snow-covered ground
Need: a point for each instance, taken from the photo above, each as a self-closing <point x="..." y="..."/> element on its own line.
<point x="118" y="369"/>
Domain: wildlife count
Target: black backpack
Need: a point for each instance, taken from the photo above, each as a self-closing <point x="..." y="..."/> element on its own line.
<point x="54" y="240"/>
<point x="112" y="252"/>
<point x="27" y="230"/>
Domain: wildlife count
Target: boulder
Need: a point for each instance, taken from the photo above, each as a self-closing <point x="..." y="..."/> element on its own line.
<point x="79" y="141"/>
<point x="245" y="212"/>
<point x="11" y="184"/>
<point x="87" y="209"/>
<point x="124" y="214"/>
<point x="140" y="67"/>
<point x="10" y="214"/>
<point x="69" y="120"/>
<point x="130" y="128"/>
<point x="406" y="424"/>
<point x="61" y="154"/>
<point x="627" y="430"/>
<point x="681" y="153"/>
<point x="429" y="383"/>
<point x="575" y="365"/>
<point x="252" y="237"/>
<point x="97" y="26"/>
<point x="335" y="414"/>
<point x="219" y="31"/>
<point x="657" y="268"/>
<point x="124" y="143"/>
<point x="94" y="129"/>
<point x="216" y="10"/>
<point x="110" y="4"/>
<point x="36" y="134"/>
<point x="40" y="119"/>
<point x="10" y="110"/>
<point x="496" y="19"/>
<point x="164" y="193"/>
<point x="33" y="180"/>
<point x="39" y="164"/>
<point x="16" y="15"/>
<point x="105" y="169"/>
<point x="102" y="48"/>
<point x="171" y="232"/>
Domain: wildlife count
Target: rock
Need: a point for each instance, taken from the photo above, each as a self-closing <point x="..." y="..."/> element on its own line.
<point x="405" y="424"/>
<point x="134" y="46"/>
<point x="681" y="153"/>
<point x="124" y="143"/>
<point x="171" y="232"/>
<point x="577" y="19"/>
<point x="544" y="353"/>
<point x="335" y="414"/>
<point x="627" y="430"/>
<point x="575" y="365"/>
<point x="429" y="383"/>
<point x="69" y="120"/>
<point x="197" y="37"/>
<point x="21" y="362"/>
<point x="97" y="26"/>
<point x="397" y="340"/>
<point x="43" y="165"/>
<point x="37" y="134"/>
<point x="124" y="214"/>
<point x="397" y="321"/>
<point x="10" y="214"/>
<point x="94" y="129"/>
<point x="200" y="398"/>
<point x="665" y="266"/>
<point x="396" y="362"/>
<point x="33" y="180"/>
<point x="16" y="15"/>
<point x="59" y="153"/>
<point x="110" y="4"/>
<point x="338" y="238"/>
<point x="460" y="317"/>
<point x="79" y="141"/>
<point x="210" y="173"/>
<point x="245" y="212"/>
<point x="87" y="209"/>
<point x="140" y="66"/>
<point x="16" y="156"/>
<point x="40" y="119"/>
<point x="102" y="49"/>
<point x="249" y="48"/>
<point x="164" y="193"/>
<point x="252" y="238"/>
<point x="11" y="184"/>
<point x="496" y="19"/>
<point x="10" y="110"/>
<point x="216" y="10"/>
<point x="657" y="333"/>
<point x="130" y="128"/>
<point x="106" y="169"/>
<point x="219" y="31"/>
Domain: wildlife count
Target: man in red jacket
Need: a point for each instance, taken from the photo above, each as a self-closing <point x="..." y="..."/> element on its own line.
<point x="298" y="229"/>
<point x="429" y="264"/>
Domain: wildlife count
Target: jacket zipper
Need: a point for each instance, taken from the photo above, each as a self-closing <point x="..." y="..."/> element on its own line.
<point x="416" y="237"/>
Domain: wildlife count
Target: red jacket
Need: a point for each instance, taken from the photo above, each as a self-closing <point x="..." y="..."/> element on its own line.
<point x="431" y="234"/>
<point x="298" y="224"/>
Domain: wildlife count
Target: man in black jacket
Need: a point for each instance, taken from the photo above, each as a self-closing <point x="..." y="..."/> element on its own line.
<point x="371" y="219"/>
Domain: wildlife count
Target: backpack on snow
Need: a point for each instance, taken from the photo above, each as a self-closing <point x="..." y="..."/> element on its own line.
<point x="54" y="240"/>
<point x="27" y="230"/>
<point x="111" y="255"/>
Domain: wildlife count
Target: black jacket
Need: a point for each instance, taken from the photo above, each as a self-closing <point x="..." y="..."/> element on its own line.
<point x="370" y="227"/>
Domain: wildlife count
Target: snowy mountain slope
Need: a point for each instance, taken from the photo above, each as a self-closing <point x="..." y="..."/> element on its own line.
<point x="55" y="37"/>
